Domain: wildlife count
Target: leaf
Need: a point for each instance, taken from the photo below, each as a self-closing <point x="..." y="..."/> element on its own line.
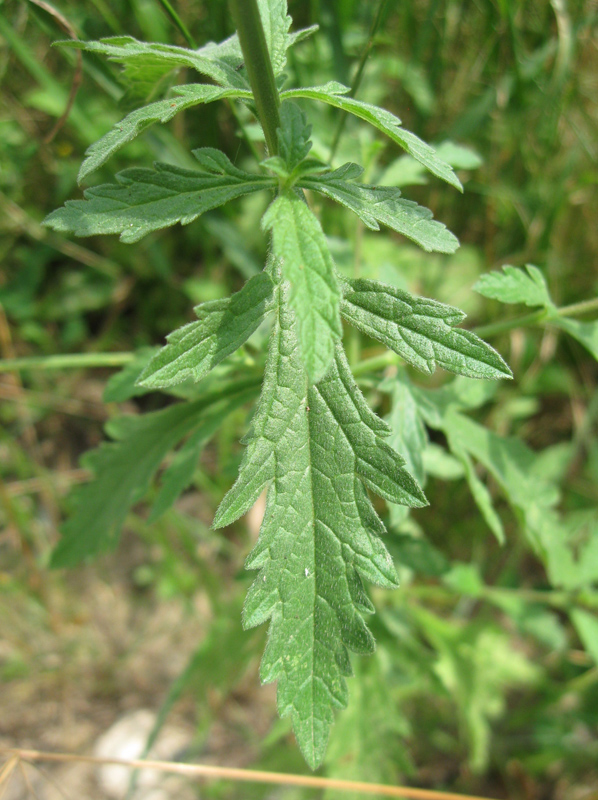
<point x="146" y="200"/>
<point x="508" y="459"/>
<point x="369" y="741"/>
<point x="297" y="240"/>
<point x="478" y="667"/>
<point x="419" y="330"/>
<point x="123" y="385"/>
<point x="515" y="285"/>
<point x="585" y="332"/>
<point x="405" y="171"/>
<point x="179" y="473"/>
<point x="374" y="204"/>
<point x="409" y="436"/>
<point x="479" y="492"/>
<point x="332" y="93"/>
<point x="222" y="327"/>
<point x="418" y="554"/>
<point x="214" y="61"/>
<point x="124" y="468"/>
<point x="313" y="446"/>
<point x="276" y="23"/>
<point x="293" y="135"/>
<point x="586" y="625"/>
<point x="137" y="121"/>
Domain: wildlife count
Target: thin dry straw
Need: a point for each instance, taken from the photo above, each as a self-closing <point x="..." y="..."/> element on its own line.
<point x="248" y="776"/>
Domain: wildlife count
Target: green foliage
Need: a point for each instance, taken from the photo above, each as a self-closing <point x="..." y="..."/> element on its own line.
<point x="514" y="285"/>
<point x="222" y="327"/>
<point x="314" y="443"/>
<point x="314" y="440"/>
<point x="375" y="204"/>
<point x="123" y="470"/>
<point x="333" y="94"/>
<point x="306" y="263"/>
<point x="137" y="121"/>
<point x="146" y="200"/>
<point x="420" y="331"/>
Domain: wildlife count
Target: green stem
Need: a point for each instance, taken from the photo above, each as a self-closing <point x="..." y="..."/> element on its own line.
<point x="250" y="144"/>
<point x="358" y="76"/>
<point x="66" y="361"/>
<point x="543" y="315"/>
<point x="178" y="22"/>
<point x="247" y="20"/>
<point x="375" y="363"/>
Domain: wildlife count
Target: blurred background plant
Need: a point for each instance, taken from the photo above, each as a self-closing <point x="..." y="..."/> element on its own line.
<point x="486" y="674"/>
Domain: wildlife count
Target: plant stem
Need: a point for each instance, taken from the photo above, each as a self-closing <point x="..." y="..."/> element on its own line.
<point x="178" y="22"/>
<point x="77" y="360"/>
<point x="358" y="76"/>
<point x="247" y="20"/>
<point x="66" y="361"/>
<point x="543" y="315"/>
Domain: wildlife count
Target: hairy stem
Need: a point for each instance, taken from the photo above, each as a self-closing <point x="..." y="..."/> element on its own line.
<point x="248" y="23"/>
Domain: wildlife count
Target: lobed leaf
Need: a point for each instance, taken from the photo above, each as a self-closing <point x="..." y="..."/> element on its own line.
<point x="298" y="241"/>
<point x="515" y="285"/>
<point x="586" y="333"/>
<point x="419" y="330"/>
<point x="218" y="62"/>
<point x="408" y="435"/>
<point x="374" y="204"/>
<point x="293" y="135"/>
<point x="313" y="446"/>
<point x="146" y="200"/>
<point x="137" y="121"/>
<point x="124" y="468"/>
<point x="222" y="327"/>
<point x="333" y="94"/>
<point x="179" y="473"/>
<point x="276" y="23"/>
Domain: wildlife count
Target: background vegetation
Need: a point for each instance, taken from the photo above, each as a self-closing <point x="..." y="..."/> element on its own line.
<point x="486" y="675"/>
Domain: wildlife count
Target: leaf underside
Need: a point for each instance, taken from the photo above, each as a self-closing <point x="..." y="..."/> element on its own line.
<point x="315" y="447"/>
